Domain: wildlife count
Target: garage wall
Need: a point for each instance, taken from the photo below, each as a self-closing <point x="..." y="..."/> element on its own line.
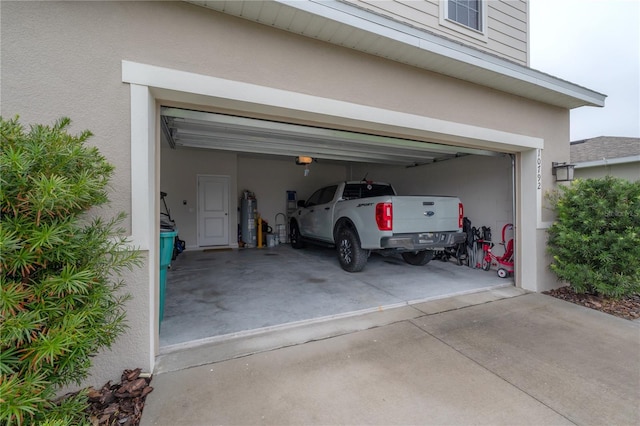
<point x="483" y="184"/>
<point x="179" y="170"/>
<point x="269" y="179"/>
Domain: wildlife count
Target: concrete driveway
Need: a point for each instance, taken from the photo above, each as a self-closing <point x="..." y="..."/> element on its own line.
<point x="496" y="357"/>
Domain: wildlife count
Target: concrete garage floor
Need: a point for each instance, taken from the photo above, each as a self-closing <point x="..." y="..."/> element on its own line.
<point x="215" y="294"/>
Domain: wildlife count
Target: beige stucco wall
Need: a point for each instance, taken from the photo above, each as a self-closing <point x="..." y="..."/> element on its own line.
<point x="629" y="171"/>
<point x="130" y="350"/>
<point x="65" y="59"/>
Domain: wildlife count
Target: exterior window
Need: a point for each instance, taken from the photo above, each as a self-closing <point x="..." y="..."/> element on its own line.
<point x="466" y="12"/>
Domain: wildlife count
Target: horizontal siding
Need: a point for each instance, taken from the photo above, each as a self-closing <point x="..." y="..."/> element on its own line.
<point x="514" y="33"/>
<point x="421" y="14"/>
<point x="507" y="23"/>
<point x="508" y="41"/>
<point x="508" y="29"/>
<point x="508" y="50"/>
<point x="518" y="5"/>
<point x="516" y="20"/>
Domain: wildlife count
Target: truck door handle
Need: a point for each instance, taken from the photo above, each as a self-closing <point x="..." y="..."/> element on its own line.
<point x="327" y="208"/>
<point x="311" y="211"/>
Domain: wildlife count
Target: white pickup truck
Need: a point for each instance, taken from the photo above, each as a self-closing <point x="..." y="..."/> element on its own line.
<point x="358" y="217"/>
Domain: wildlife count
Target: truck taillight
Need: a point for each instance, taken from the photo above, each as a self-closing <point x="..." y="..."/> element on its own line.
<point x="460" y="215"/>
<point x="384" y="216"/>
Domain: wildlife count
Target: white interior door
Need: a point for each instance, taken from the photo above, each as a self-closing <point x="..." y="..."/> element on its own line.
<point x="213" y="210"/>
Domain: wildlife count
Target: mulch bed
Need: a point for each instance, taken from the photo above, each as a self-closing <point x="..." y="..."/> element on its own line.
<point x="626" y="307"/>
<point x="119" y="404"/>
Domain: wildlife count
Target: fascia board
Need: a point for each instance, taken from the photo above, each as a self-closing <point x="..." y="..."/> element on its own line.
<point x="608" y="162"/>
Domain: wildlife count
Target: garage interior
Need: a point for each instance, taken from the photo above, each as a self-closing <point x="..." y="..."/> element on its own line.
<point x="216" y="289"/>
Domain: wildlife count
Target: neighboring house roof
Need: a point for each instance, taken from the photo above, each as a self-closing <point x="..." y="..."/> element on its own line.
<point x="349" y="26"/>
<point x="604" y="147"/>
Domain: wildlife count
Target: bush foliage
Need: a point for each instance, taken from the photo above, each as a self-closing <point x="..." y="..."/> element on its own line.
<point x="61" y="300"/>
<point x="595" y="241"/>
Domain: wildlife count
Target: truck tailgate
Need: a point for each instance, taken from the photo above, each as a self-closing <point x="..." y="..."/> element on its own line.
<point x="421" y="214"/>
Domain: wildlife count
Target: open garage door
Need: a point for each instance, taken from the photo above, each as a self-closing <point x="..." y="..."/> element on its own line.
<point x="220" y="290"/>
<point x="196" y="129"/>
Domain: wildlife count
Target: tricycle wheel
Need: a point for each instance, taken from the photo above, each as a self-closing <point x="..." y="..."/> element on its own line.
<point x="486" y="264"/>
<point x="503" y="273"/>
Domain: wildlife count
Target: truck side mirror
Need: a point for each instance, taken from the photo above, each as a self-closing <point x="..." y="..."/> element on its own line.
<point x="300" y="203"/>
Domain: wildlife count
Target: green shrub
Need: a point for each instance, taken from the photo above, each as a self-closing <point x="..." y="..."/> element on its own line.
<point x="61" y="300"/>
<point x="595" y="241"/>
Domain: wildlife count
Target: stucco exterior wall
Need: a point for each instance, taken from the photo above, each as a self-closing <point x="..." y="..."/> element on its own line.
<point x="629" y="171"/>
<point x="130" y="350"/>
<point x="65" y="59"/>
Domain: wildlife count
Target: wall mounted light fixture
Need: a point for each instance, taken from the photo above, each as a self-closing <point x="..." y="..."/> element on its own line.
<point x="562" y="171"/>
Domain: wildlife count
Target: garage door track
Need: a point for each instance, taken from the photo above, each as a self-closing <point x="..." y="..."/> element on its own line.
<point x="526" y="359"/>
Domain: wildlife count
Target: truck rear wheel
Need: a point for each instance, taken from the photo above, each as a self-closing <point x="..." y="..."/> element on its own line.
<point x="418" y="258"/>
<point x="352" y="257"/>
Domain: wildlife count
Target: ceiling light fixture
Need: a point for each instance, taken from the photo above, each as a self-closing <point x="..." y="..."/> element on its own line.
<point x="303" y="161"/>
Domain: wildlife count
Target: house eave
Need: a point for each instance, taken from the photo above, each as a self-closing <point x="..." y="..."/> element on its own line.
<point x="608" y="162"/>
<point x="352" y="27"/>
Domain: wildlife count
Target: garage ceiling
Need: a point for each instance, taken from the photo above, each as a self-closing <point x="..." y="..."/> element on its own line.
<point x="197" y="129"/>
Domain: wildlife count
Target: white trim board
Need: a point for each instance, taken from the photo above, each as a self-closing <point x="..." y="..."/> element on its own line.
<point x="608" y="162"/>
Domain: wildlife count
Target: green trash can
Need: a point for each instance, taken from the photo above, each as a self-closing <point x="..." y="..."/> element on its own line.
<point x="167" y="241"/>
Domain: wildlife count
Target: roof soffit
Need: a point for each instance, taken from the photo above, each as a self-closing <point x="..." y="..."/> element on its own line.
<point x="352" y="27"/>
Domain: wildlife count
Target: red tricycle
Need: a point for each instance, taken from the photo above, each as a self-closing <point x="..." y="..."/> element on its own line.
<point x="504" y="262"/>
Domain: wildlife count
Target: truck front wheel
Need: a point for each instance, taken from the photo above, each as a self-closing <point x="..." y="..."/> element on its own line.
<point x="418" y="258"/>
<point x="352" y="257"/>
